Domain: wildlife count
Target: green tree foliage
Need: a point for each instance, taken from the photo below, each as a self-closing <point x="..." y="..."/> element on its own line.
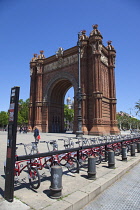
<point x="23" y="110"/>
<point x="3" y="119"/>
<point x="68" y="113"/>
<point x="137" y="107"/>
<point x="127" y="122"/>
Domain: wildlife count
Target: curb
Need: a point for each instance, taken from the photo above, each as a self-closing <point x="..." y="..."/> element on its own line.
<point x="84" y="195"/>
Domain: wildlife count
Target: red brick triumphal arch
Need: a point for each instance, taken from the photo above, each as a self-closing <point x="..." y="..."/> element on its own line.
<point x="52" y="77"/>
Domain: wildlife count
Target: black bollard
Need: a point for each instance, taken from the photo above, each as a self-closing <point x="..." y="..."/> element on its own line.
<point x="138" y="147"/>
<point x="56" y="182"/>
<point x="91" y="168"/>
<point x="111" y="159"/>
<point x="106" y="154"/>
<point x="124" y="153"/>
<point x="132" y="149"/>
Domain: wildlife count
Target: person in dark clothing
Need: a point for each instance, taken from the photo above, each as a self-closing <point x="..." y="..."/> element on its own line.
<point x="36" y="134"/>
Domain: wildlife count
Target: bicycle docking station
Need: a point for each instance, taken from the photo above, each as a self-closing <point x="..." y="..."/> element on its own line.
<point x="56" y="170"/>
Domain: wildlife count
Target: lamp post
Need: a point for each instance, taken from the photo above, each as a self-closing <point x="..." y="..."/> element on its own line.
<point x="79" y="133"/>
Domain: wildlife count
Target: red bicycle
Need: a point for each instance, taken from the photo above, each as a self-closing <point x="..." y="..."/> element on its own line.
<point x="33" y="174"/>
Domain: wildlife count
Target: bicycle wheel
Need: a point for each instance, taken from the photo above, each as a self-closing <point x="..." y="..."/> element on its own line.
<point x="104" y="156"/>
<point x="83" y="160"/>
<point x="117" y="151"/>
<point x="72" y="165"/>
<point x="34" y="178"/>
<point x="63" y="160"/>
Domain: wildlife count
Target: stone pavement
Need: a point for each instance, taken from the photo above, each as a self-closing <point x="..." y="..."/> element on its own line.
<point x="124" y="194"/>
<point x="77" y="189"/>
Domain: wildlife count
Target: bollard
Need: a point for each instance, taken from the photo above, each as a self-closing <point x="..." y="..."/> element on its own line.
<point x="124" y="153"/>
<point x="56" y="182"/>
<point x="91" y="168"/>
<point x="111" y="159"/>
<point x="132" y="149"/>
<point x="106" y="153"/>
<point x="138" y="147"/>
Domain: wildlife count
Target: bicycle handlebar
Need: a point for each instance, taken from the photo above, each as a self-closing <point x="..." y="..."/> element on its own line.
<point x="20" y="144"/>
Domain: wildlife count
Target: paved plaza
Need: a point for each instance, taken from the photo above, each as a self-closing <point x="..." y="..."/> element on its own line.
<point x="77" y="189"/>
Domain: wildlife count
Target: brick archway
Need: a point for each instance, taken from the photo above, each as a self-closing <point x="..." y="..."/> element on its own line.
<point x="51" y="78"/>
<point x="54" y="96"/>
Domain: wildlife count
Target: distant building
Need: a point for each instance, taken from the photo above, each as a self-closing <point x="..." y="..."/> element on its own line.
<point x="70" y="103"/>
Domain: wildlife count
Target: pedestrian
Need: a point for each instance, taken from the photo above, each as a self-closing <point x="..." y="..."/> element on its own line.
<point x="36" y="134"/>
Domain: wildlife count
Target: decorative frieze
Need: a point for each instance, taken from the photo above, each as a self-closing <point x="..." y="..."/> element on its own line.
<point x="62" y="62"/>
<point x="31" y="71"/>
<point x="104" y="59"/>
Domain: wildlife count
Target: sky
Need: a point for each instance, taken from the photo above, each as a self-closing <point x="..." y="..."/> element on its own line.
<point x="28" y="26"/>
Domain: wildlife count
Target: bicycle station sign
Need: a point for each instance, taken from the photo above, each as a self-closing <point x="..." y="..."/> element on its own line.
<point x="11" y="144"/>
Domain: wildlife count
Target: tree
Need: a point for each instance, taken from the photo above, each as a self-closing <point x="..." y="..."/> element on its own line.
<point x="3" y="119"/>
<point x="23" y="111"/>
<point x="137" y="107"/>
<point x="68" y="115"/>
<point x="127" y="122"/>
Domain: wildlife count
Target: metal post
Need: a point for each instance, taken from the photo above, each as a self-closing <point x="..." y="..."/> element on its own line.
<point x="111" y="159"/>
<point x="91" y="168"/>
<point x="138" y="147"/>
<point x="79" y="133"/>
<point x="124" y="153"/>
<point x="106" y="153"/>
<point x="132" y="149"/>
<point x="11" y="145"/>
<point x="56" y="182"/>
<point x="78" y="161"/>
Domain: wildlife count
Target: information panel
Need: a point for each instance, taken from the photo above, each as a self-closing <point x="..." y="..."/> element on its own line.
<point x="11" y="144"/>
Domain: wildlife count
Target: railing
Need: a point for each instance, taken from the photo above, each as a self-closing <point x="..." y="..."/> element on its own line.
<point x="45" y="154"/>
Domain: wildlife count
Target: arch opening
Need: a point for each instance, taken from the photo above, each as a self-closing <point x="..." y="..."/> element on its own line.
<point x="56" y="121"/>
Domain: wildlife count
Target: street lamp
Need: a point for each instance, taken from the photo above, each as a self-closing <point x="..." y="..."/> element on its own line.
<point x="79" y="133"/>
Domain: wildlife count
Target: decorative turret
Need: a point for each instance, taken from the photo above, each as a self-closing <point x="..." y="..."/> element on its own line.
<point x="83" y="35"/>
<point x="95" y="40"/>
<point x="111" y="54"/>
<point x="41" y="56"/>
<point x="110" y="47"/>
<point x="95" y="34"/>
<point x="34" y="58"/>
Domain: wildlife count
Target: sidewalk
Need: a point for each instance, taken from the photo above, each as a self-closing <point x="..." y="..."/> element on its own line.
<point x="77" y="189"/>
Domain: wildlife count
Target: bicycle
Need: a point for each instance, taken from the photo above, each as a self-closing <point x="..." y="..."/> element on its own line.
<point x="85" y="153"/>
<point x="33" y="174"/>
<point x="66" y="159"/>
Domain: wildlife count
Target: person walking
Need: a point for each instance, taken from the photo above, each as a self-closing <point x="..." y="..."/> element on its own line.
<point x="36" y="134"/>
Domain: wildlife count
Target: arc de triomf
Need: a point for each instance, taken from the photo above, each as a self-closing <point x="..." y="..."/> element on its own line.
<point x="52" y="77"/>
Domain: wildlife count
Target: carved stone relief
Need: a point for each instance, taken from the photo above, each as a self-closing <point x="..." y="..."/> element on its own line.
<point x="62" y="62"/>
<point x="104" y="59"/>
<point x="31" y="71"/>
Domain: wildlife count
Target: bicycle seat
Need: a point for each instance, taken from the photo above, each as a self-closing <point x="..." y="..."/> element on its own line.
<point x="52" y="141"/>
<point x="77" y="142"/>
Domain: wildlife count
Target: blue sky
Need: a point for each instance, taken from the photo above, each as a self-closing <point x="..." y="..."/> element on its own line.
<point x="28" y="26"/>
